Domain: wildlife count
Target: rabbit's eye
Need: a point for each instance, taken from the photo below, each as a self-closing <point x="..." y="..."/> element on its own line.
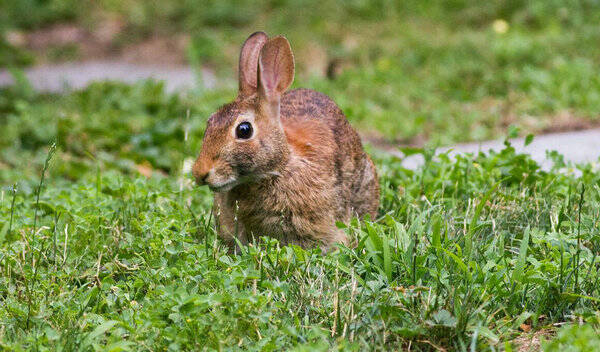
<point x="243" y="130"/>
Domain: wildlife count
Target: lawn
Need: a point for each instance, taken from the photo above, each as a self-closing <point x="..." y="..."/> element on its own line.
<point x="105" y="244"/>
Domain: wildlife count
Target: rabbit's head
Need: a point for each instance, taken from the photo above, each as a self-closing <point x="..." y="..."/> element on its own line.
<point x="244" y="140"/>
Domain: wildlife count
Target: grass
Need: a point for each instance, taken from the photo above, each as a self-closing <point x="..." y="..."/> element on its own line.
<point x="466" y="254"/>
<point x="437" y="72"/>
<point x="106" y="245"/>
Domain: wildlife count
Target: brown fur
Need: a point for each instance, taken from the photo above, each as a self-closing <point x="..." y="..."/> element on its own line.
<point x="303" y="169"/>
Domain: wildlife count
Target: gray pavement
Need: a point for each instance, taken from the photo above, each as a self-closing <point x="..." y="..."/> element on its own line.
<point x="58" y="78"/>
<point x="577" y="147"/>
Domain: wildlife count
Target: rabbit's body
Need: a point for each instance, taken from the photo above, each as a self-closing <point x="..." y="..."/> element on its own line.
<point x="327" y="177"/>
<point x="320" y="134"/>
<point x="301" y="167"/>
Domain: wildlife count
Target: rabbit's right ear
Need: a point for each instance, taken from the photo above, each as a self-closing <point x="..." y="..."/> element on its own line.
<point x="248" y="65"/>
<point x="275" y="69"/>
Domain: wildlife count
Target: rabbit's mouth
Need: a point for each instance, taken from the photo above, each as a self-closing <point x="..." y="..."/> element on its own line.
<point x="229" y="184"/>
<point x="224" y="186"/>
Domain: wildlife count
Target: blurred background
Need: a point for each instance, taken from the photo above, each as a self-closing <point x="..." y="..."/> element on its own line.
<point x="405" y="72"/>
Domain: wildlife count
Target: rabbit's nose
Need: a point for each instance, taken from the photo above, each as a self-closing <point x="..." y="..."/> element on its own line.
<point x="200" y="173"/>
<point x="202" y="179"/>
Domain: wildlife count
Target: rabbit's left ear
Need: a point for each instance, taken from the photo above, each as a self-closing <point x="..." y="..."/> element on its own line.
<point x="275" y="69"/>
<point x="248" y="64"/>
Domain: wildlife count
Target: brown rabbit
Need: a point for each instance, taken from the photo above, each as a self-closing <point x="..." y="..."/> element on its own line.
<point x="285" y="165"/>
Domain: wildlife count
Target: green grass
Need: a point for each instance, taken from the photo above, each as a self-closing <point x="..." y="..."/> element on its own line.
<point x="94" y="256"/>
<point x="575" y="338"/>
<point x="412" y="71"/>
<point x="466" y="253"/>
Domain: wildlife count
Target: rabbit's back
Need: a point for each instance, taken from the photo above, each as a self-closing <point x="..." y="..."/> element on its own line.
<point x="317" y="128"/>
<point x="284" y="165"/>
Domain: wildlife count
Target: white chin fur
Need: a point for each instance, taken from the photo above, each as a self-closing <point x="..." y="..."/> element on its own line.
<point x="223" y="187"/>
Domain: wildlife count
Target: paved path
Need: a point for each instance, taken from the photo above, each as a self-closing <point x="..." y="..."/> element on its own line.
<point x="57" y="78"/>
<point x="578" y="147"/>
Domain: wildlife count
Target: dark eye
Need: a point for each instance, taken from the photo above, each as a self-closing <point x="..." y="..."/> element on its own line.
<point x="243" y="130"/>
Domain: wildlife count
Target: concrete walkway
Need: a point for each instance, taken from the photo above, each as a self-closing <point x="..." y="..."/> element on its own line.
<point x="577" y="147"/>
<point x="58" y="78"/>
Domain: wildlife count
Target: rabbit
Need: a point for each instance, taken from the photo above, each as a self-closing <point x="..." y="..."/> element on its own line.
<point x="284" y="164"/>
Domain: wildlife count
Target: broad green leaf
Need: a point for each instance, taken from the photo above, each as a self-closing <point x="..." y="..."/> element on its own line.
<point x="98" y="331"/>
<point x="528" y="139"/>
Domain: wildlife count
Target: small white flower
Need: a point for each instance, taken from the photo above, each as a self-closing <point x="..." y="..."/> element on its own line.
<point x="187" y="165"/>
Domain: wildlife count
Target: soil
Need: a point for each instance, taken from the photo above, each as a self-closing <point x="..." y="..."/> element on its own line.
<point x="566" y="122"/>
<point x="532" y="342"/>
<point x="104" y="43"/>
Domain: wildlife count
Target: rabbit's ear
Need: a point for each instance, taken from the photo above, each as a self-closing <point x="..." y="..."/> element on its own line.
<point x="249" y="62"/>
<point x="275" y="69"/>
